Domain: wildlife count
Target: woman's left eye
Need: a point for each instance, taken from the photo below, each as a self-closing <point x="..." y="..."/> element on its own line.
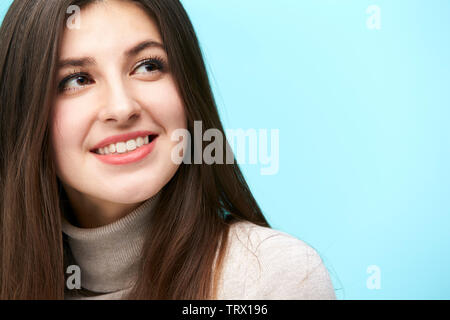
<point x="149" y="66"/>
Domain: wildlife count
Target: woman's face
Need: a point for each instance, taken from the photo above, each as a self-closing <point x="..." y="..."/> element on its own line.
<point x="114" y="79"/>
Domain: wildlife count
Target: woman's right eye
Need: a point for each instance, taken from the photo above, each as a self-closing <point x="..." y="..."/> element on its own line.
<point x="75" y="82"/>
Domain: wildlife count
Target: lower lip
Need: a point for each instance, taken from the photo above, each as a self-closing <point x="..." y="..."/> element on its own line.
<point x="129" y="157"/>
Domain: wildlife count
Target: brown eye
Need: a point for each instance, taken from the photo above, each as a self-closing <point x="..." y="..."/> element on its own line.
<point x="74" y="82"/>
<point x="150" y="66"/>
<point x="81" y="81"/>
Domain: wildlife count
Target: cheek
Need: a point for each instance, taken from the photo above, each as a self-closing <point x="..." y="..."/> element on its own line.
<point x="68" y="130"/>
<point x="165" y="105"/>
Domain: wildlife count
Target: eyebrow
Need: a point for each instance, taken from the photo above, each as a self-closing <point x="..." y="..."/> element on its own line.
<point x="142" y="46"/>
<point x="86" y="61"/>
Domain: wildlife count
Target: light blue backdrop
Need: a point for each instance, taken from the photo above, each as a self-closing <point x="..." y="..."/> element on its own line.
<point x="363" y="117"/>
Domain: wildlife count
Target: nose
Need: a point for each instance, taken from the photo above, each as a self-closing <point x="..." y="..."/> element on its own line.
<point x="119" y="107"/>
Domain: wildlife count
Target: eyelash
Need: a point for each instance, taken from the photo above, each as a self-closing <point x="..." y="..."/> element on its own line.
<point x="156" y="61"/>
<point x="160" y="63"/>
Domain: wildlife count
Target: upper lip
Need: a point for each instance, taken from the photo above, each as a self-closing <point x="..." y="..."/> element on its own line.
<point x="121" y="138"/>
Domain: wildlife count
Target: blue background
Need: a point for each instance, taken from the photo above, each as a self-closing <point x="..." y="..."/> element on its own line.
<point x="364" y="143"/>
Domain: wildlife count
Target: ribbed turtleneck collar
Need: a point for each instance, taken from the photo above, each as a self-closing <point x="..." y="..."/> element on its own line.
<point x="108" y="256"/>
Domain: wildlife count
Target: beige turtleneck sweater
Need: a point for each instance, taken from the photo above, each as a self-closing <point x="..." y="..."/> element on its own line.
<point x="260" y="263"/>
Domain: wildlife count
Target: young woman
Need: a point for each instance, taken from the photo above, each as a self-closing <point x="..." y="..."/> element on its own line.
<point x="89" y="106"/>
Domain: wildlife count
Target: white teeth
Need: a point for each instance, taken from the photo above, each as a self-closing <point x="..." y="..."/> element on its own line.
<point x="112" y="148"/>
<point x="122" y="147"/>
<point x="139" y="142"/>
<point x="131" y="145"/>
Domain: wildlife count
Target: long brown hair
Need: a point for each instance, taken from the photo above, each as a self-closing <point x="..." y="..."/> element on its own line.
<point x="195" y="210"/>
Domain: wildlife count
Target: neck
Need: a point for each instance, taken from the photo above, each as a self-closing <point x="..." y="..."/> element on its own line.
<point x="82" y="208"/>
<point x="108" y="256"/>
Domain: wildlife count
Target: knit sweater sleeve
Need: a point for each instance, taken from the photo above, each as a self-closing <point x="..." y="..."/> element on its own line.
<point x="265" y="264"/>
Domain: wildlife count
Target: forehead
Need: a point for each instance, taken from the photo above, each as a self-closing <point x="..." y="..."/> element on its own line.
<point x="109" y="27"/>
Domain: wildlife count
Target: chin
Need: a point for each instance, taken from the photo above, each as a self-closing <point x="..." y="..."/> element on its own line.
<point x="132" y="197"/>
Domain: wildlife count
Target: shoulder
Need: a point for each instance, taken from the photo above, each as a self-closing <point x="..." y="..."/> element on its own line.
<point x="264" y="263"/>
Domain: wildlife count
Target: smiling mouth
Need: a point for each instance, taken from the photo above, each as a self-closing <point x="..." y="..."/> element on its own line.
<point x="125" y="147"/>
